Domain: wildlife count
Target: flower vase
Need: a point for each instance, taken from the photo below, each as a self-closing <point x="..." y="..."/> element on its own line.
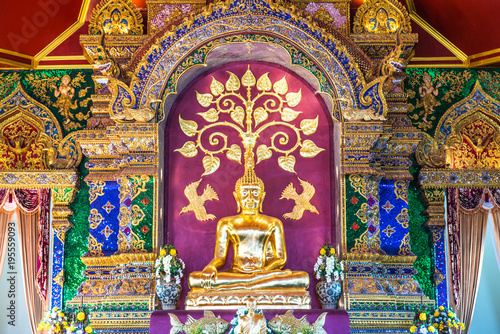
<point x="168" y="293"/>
<point x="328" y="293"/>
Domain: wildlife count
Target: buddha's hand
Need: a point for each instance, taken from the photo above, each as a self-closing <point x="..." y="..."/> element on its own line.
<point x="208" y="275"/>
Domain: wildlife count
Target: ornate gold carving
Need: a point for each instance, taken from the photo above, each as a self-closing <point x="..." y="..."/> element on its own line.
<point x="62" y="195"/>
<point x="118" y="259"/>
<point x="381" y="17"/>
<point x="354" y="114"/>
<point x="123" y="243"/>
<point x="429" y="155"/>
<point x="403" y="218"/>
<point x="401" y="190"/>
<point x="115" y="17"/>
<point x="404" y="247"/>
<point x="59" y="279"/>
<point x="38" y="179"/>
<point x="95" y="218"/>
<point x="359" y="184"/>
<point x="265" y="300"/>
<point x="361" y="244"/>
<point x="139" y="184"/>
<point x="125" y="188"/>
<point x="95" y="248"/>
<point x="207" y="323"/>
<point x="197" y="203"/>
<point x="96" y="190"/>
<point x="129" y="114"/>
<point x="224" y="99"/>
<point x="137" y="244"/>
<point x="302" y="201"/>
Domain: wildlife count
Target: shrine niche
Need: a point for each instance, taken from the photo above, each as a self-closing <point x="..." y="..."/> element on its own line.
<point x="207" y="147"/>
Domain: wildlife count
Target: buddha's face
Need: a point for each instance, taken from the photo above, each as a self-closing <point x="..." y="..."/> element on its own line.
<point x="250" y="198"/>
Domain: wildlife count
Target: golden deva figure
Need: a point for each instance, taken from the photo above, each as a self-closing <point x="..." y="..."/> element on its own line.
<point x="258" y="243"/>
<point x="251" y="323"/>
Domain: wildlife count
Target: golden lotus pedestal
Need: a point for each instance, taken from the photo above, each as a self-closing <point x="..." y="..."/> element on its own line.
<point x="293" y="298"/>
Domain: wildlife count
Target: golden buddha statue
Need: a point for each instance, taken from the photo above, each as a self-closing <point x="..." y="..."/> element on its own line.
<point x="259" y="254"/>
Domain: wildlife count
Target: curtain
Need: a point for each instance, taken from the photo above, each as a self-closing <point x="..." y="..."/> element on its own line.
<point x="495" y="214"/>
<point x="5" y="217"/>
<point x="472" y="234"/>
<point x="32" y="208"/>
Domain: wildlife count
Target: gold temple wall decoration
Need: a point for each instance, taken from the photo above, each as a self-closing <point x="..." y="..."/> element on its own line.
<point x="302" y="201"/>
<point x="381" y="17"/>
<point x="197" y="202"/>
<point x="115" y="17"/>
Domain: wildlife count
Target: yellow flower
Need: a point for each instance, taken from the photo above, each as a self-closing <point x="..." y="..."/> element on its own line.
<point x="60" y="314"/>
<point x="462" y="326"/>
<point x="322" y="251"/>
<point x="413" y="329"/>
<point x="163" y="252"/>
<point x="435" y="325"/>
<point x="55" y="309"/>
<point x="72" y="328"/>
<point x="431" y="329"/>
<point x="441" y="327"/>
<point x="88" y="329"/>
<point x="332" y="250"/>
<point x="450" y="314"/>
<point x="173" y="252"/>
<point x="422" y="316"/>
<point x="441" y="308"/>
<point x="81" y="316"/>
<point x="436" y="313"/>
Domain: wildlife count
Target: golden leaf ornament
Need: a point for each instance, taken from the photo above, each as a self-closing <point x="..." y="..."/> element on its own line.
<point x="211" y="164"/>
<point x="248" y="79"/>
<point x="281" y="86"/>
<point x="287" y="163"/>
<point x="263" y="153"/>
<point x="189" y="150"/>
<point x="212" y="115"/>
<point x="309" y="126"/>
<point x="289" y="115"/>
<point x="216" y="87"/>
<point x="238" y="115"/>
<point x="264" y="84"/>
<point x="294" y="98"/>
<point x="190" y="128"/>
<point x="309" y="149"/>
<point x="233" y="83"/>
<point x="234" y="153"/>
<point x="204" y="99"/>
<point x="260" y="115"/>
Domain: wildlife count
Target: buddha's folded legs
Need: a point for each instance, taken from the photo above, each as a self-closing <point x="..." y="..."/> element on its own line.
<point x="277" y="279"/>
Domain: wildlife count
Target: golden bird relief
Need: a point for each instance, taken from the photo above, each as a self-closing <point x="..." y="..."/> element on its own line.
<point x="17" y="149"/>
<point x="196" y="203"/>
<point x="302" y="201"/>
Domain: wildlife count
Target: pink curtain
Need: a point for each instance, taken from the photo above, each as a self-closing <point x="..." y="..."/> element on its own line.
<point x="32" y="209"/>
<point x="495" y="214"/>
<point x="467" y="221"/>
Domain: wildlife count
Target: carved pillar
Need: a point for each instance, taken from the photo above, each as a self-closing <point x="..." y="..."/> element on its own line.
<point x="437" y="224"/>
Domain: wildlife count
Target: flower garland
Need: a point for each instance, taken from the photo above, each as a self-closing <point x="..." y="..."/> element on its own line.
<point x="328" y="265"/>
<point x="439" y="321"/>
<point x="80" y="322"/>
<point x="168" y="266"/>
<point x="54" y="320"/>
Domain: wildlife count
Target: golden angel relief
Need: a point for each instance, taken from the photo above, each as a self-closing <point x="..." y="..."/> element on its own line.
<point x="249" y="115"/>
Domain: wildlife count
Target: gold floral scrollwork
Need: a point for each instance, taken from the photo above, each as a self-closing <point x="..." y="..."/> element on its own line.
<point x="123" y="243"/>
<point x="381" y="16"/>
<point x="403" y="218"/>
<point x="137" y="244"/>
<point x="404" y="247"/>
<point x="62" y="195"/>
<point x="249" y="122"/>
<point x="96" y="190"/>
<point x="139" y="184"/>
<point x="125" y="188"/>
<point x="95" y="219"/>
<point x="361" y="245"/>
<point x="358" y="183"/>
<point x="115" y="17"/>
<point x="302" y="201"/>
<point x="125" y="216"/>
<point x="95" y="248"/>
<point x="401" y="190"/>
<point x="137" y="215"/>
<point x="362" y="213"/>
